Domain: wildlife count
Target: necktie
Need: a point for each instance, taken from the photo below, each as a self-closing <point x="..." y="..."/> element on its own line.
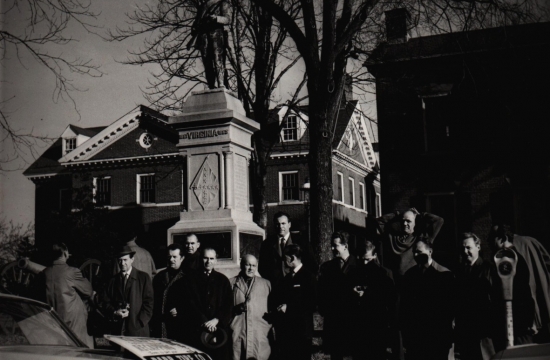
<point x="282" y="245"/>
<point x="125" y="281"/>
<point x="341" y="262"/>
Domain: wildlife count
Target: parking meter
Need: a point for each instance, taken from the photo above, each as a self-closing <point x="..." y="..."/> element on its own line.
<point x="506" y="260"/>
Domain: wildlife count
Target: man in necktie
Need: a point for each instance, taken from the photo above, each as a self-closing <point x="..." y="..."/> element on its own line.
<point x="337" y="299"/>
<point x="128" y="297"/>
<point x="272" y="265"/>
<point x="294" y="302"/>
<point x="474" y="301"/>
<point x="427" y="306"/>
<point x="215" y="302"/>
<point x="249" y="327"/>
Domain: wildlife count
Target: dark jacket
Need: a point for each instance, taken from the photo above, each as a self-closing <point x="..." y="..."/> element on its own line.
<point x="215" y="298"/>
<point x="271" y="262"/>
<point x="337" y="303"/>
<point x="138" y="294"/>
<point x="299" y="293"/>
<point x="173" y="289"/>
<point x="192" y="262"/>
<point x="427" y="307"/>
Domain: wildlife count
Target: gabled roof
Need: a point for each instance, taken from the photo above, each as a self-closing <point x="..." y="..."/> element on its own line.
<point x="47" y="163"/>
<point x="89" y="132"/>
<point x="111" y="134"/>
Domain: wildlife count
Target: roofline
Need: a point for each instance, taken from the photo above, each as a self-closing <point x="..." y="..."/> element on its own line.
<point x="124" y="159"/>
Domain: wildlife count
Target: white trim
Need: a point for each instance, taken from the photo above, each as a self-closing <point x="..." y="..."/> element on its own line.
<point x="141" y="205"/>
<point x="340" y="177"/>
<point x="94" y="187"/>
<point x="281" y="173"/>
<point x="138" y="188"/>
<point x="123" y="159"/>
<point x="32" y="177"/>
<point x="362" y="192"/>
<point x="379" y="207"/>
<point x="352" y="202"/>
<point x="285" y="155"/>
<point x="346" y="161"/>
<point x="349" y="206"/>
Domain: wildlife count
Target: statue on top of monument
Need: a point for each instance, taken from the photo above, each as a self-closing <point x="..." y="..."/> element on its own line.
<point x="209" y="36"/>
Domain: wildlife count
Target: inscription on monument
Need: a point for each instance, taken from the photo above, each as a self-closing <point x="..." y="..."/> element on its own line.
<point x="241" y="181"/>
<point x="205" y="185"/>
<point x="200" y="134"/>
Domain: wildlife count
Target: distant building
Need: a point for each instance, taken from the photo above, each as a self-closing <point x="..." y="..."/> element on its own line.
<point x="462" y="126"/>
<point x="134" y="169"/>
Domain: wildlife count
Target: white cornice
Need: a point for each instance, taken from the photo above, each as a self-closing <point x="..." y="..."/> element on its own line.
<point x="289" y="155"/>
<point x="348" y="162"/>
<point x="124" y="159"/>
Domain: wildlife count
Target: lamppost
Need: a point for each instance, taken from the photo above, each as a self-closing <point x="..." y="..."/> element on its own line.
<point x="305" y="195"/>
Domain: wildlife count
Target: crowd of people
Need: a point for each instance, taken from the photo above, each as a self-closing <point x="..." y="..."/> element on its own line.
<point x="412" y="307"/>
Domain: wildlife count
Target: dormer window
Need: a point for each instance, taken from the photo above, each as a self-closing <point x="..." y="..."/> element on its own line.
<point x="70" y="145"/>
<point x="290" y="129"/>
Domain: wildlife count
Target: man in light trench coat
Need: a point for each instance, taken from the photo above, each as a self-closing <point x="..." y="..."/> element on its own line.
<point x="250" y="329"/>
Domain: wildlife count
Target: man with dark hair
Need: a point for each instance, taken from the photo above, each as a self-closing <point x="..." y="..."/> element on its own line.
<point x="272" y="264"/>
<point x="193" y="259"/>
<point x="375" y="307"/>
<point x="128" y="297"/>
<point x="427" y="306"/>
<point x="142" y="259"/>
<point x="64" y="288"/>
<point x="215" y="302"/>
<point x="294" y="302"/>
<point x="400" y="231"/>
<point x="473" y="301"/>
<point x="249" y="328"/>
<point x="523" y="304"/>
<point x="337" y="299"/>
<point x="173" y="289"/>
<point x="537" y="259"/>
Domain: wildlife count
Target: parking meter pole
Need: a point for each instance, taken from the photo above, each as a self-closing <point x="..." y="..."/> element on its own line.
<point x="510" y="324"/>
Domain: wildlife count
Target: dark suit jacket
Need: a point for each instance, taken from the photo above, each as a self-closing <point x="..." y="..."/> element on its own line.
<point x="299" y="293"/>
<point x="215" y="298"/>
<point x="336" y="302"/>
<point x="173" y="292"/>
<point x="139" y="294"/>
<point x="427" y="307"/>
<point x="271" y="263"/>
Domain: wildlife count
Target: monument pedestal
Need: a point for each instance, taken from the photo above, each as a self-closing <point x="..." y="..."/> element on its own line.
<point x="215" y="139"/>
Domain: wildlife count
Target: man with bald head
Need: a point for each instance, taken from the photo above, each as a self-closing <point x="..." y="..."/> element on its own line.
<point x="249" y="328"/>
<point x="400" y="231"/>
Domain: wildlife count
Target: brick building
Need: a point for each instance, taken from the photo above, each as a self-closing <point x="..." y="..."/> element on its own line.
<point x="462" y="121"/>
<point x="134" y="170"/>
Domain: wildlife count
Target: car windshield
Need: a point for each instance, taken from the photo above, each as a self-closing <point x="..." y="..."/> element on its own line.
<point x="23" y="323"/>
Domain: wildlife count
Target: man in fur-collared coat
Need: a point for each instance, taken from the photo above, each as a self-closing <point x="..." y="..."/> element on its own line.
<point x="249" y="327"/>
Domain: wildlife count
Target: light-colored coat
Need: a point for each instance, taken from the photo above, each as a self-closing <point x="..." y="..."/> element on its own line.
<point x="248" y="327"/>
<point x="65" y="287"/>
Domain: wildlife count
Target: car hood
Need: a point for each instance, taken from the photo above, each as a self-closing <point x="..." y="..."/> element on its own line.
<point x="27" y="352"/>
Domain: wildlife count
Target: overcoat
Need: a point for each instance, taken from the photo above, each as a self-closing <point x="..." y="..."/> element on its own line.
<point x="250" y="327"/>
<point x="65" y="287"/>
<point x="138" y="293"/>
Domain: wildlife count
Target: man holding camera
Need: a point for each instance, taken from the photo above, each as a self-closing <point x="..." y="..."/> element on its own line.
<point x="128" y="297"/>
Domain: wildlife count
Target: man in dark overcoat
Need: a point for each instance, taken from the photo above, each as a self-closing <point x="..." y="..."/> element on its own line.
<point x="173" y="289"/>
<point x="64" y="288"/>
<point x="374" y="323"/>
<point x="294" y="302"/>
<point x="272" y="263"/>
<point x="215" y="303"/>
<point x="193" y="256"/>
<point x="128" y="298"/>
<point x="336" y="298"/>
<point x="427" y="307"/>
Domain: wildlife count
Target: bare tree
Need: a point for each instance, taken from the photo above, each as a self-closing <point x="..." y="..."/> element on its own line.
<point x="32" y="28"/>
<point x="258" y="57"/>
<point x="335" y="36"/>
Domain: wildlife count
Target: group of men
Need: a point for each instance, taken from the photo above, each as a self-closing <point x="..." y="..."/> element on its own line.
<point x="417" y="306"/>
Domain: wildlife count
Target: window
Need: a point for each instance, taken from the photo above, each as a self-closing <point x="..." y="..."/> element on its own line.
<point x="340" y="192"/>
<point x="378" y="205"/>
<point x="361" y="196"/>
<point x="145" y="188"/>
<point x="102" y="191"/>
<point x="288" y="186"/>
<point x="70" y="145"/>
<point x="290" y="129"/>
<point x="351" y="183"/>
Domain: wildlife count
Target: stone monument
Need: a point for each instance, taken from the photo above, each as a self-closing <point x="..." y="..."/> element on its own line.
<point x="215" y="139"/>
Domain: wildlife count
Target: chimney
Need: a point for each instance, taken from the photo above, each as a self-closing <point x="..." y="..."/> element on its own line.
<point x="397" y="23"/>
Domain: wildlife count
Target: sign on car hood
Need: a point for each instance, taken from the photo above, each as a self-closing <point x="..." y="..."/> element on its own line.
<point x="157" y="349"/>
